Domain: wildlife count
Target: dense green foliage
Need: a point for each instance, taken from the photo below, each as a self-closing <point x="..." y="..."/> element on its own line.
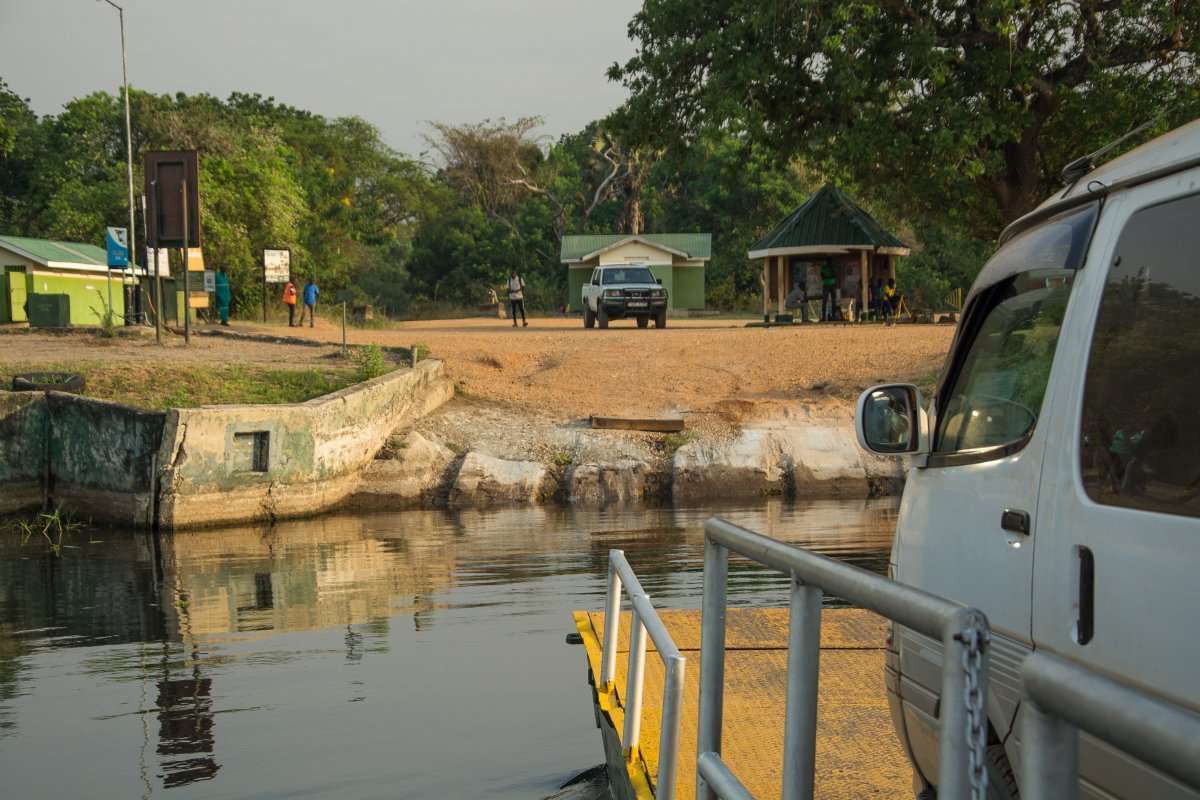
<point x="949" y="110"/>
<point x="945" y="120"/>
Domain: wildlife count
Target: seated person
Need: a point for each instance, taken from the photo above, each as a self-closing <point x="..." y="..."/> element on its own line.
<point x="891" y="300"/>
<point x="796" y="300"/>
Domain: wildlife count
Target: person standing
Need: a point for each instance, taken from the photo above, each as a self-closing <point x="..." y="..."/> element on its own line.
<point x="516" y="298"/>
<point x="310" y="303"/>
<point x="289" y="300"/>
<point x="224" y="296"/>
<point x="828" y="291"/>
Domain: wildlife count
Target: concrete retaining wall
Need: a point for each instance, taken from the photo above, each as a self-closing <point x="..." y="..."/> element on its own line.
<point x="238" y="463"/>
<point x="94" y="458"/>
<point x="22" y="450"/>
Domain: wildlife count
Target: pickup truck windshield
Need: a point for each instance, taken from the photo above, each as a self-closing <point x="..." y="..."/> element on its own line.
<point x="627" y="275"/>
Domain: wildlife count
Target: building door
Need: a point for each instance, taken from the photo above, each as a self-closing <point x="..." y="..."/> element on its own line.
<point x="16" y="293"/>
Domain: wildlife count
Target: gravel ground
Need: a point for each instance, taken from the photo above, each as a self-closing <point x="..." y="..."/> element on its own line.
<point x="717" y="373"/>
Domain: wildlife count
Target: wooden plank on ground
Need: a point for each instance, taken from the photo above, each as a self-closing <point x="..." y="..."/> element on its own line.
<point x="636" y="424"/>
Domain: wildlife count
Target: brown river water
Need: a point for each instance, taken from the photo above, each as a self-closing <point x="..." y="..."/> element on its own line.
<point x="415" y="654"/>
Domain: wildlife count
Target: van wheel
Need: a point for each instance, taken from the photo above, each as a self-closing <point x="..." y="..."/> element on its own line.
<point x="589" y="319"/>
<point x="1002" y="784"/>
<point x="643" y="321"/>
<point x="602" y="317"/>
<point x="660" y="319"/>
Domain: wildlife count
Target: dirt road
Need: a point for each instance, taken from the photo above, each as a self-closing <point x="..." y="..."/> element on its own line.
<point x="703" y="368"/>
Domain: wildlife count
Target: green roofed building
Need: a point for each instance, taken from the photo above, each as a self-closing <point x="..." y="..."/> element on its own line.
<point x="828" y="225"/>
<point x="677" y="259"/>
<point x="41" y="267"/>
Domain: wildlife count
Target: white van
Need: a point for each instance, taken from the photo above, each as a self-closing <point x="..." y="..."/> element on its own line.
<point x="1055" y="474"/>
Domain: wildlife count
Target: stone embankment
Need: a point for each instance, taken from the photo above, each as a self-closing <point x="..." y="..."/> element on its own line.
<point x="472" y="454"/>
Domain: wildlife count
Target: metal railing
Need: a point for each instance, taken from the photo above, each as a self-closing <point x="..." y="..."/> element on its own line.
<point x="962" y="631"/>
<point x="644" y="619"/>
<point x="1061" y="698"/>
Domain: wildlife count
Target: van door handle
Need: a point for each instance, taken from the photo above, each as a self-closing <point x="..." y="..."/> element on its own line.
<point x="1014" y="520"/>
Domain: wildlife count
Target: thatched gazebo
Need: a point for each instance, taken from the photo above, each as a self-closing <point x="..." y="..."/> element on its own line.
<point x="828" y="225"/>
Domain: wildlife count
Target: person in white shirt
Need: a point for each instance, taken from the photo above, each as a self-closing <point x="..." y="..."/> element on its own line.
<point x="516" y="298"/>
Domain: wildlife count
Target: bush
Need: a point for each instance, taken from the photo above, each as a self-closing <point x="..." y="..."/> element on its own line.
<point x="371" y="363"/>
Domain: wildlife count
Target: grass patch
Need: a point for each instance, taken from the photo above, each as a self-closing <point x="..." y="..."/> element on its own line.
<point x="673" y="441"/>
<point x="161" y="386"/>
<point x="49" y="527"/>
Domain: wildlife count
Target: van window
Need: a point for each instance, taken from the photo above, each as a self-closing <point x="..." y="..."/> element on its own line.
<point x="1140" y="437"/>
<point x="992" y="395"/>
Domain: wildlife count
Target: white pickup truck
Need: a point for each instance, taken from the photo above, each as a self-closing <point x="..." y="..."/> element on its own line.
<point x="620" y="291"/>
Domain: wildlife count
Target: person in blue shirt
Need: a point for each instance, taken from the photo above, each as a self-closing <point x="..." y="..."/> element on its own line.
<point x="310" y="302"/>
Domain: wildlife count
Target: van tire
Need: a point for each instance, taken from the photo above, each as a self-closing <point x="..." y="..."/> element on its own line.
<point x="601" y="317"/>
<point x="1002" y="783"/>
<point x="68" y="382"/>
<point x="589" y="318"/>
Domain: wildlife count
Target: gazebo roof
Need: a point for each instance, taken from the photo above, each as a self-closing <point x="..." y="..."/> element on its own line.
<point x="831" y="221"/>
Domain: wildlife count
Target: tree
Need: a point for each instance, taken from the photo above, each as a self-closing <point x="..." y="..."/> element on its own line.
<point x="949" y="109"/>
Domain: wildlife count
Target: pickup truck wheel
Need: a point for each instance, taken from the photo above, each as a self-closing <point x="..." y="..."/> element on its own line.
<point x="643" y="321"/>
<point x="602" y="317"/>
<point x="589" y="319"/>
<point x="660" y="319"/>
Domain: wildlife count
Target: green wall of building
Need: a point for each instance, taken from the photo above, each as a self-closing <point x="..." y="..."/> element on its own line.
<point x="87" y="305"/>
<point x="684" y="285"/>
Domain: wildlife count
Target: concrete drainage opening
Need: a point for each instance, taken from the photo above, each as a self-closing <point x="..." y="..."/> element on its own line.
<point x="251" y="451"/>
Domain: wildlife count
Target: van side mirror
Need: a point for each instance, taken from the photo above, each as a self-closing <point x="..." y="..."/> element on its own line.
<point x="890" y="421"/>
<point x="658" y="281"/>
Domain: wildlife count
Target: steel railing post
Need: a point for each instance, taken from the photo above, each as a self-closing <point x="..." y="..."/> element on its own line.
<point x="962" y="630"/>
<point x="668" y="737"/>
<point x="612" y="622"/>
<point x="800" y="718"/>
<point x="633" y="683"/>
<point x="712" y="657"/>
<point x="1049" y="755"/>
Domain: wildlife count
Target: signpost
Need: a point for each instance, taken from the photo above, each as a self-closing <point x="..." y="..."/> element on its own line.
<point x="173" y="209"/>
<point x="277" y="268"/>
<point x="117" y="240"/>
<point x="344" y="296"/>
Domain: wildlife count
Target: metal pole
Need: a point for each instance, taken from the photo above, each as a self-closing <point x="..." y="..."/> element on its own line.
<point x="159" y="319"/>
<point x="712" y="658"/>
<point x="187" y="289"/>
<point x="668" y="735"/>
<point x="633" y="684"/>
<point x="800" y="718"/>
<point x="612" y="621"/>
<point x="128" y="149"/>
<point x="110" y="305"/>
<point x="343" y="327"/>
<point x="955" y="737"/>
<point x="1050" y="755"/>
<point x="710" y="769"/>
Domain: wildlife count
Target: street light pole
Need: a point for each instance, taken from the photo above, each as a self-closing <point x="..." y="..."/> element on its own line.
<point x="128" y="149"/>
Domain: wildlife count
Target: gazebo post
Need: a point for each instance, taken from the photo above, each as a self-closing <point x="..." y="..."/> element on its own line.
<point x="779" y="283"/>
<point x="891" y="266"/>
<point x="863" y="277"/>
<point x="765" y="280"/>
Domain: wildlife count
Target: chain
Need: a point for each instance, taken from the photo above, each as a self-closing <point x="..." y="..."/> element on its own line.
<point x="976" y="641"/>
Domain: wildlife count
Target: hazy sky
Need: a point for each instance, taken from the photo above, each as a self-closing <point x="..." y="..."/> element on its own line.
<point x="395" y="63"/>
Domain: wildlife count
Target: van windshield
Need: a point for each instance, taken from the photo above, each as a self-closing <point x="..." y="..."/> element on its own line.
<point x="993" y="394"/>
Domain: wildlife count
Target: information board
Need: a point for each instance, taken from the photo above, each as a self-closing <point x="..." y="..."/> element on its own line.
<point x="277" y="266"/>
<point x="118" y="247"/>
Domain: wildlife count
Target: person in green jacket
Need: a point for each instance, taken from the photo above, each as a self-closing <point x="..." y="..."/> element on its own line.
<point x="224" y="295"/>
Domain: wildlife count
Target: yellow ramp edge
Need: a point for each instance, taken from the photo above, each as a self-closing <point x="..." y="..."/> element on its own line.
<point x="858" y="754"/>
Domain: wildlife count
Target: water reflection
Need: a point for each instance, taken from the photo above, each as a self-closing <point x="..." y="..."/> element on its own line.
<point x="413" y="654"/>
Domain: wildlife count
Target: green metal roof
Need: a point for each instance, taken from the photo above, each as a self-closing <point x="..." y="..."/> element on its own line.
<point x="827" y="218"/>
<point x="64" y="252"/>
<point x="696" y="245"/>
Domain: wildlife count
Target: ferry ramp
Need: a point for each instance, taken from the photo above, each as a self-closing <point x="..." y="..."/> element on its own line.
<point x="858" y="753"/>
